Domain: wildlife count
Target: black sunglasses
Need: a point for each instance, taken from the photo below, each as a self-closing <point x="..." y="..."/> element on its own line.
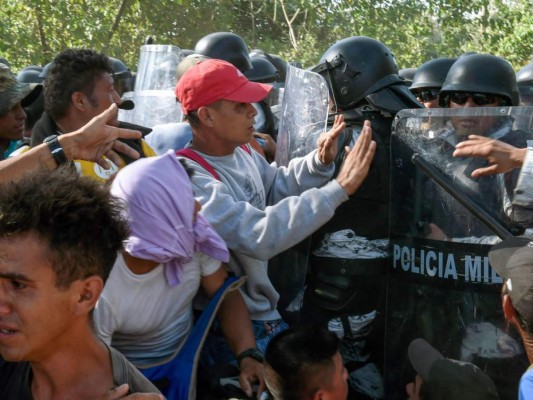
<point x="479" y="99"/>
<point x="427" y="95"/>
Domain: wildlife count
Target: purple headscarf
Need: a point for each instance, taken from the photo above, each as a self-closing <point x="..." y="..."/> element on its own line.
<point x="160" y="202"/>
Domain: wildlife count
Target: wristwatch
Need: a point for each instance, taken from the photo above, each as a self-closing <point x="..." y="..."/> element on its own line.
<point x="56" y="149"/>
<point x="253" y="353"/>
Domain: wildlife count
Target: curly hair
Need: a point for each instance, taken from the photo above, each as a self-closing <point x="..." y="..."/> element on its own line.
<point x="73" y="70"/>
<point x="80" y="222"/>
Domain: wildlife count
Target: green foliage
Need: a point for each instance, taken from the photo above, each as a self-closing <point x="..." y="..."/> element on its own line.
<point x="33" y="31"/>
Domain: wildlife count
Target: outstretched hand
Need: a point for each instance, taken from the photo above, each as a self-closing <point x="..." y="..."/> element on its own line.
<point x="502" y="156"/>
<point x="357" y="162"/>
<point x="97" y="139"/>
<point x="327" y="142"/>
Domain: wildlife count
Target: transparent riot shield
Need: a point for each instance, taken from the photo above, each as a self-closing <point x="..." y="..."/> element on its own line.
<point x="304" y="113"/>
<point x="303" y="119"/>
<point x="154" y="98"/>
<point x="442" y="224"/>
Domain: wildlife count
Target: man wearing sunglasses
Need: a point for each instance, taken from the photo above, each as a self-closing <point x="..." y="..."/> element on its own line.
<point x="474" y="82"/>
<point x="480" y="80"/>
<point x="428" y="81"/>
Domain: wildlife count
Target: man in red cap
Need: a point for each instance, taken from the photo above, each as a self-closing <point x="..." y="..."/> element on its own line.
<point x="259" y="209"/>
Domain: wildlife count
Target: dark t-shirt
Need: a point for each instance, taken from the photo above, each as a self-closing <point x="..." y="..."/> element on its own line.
<point x="15" y="381"/>
<point x="15" y="378"/>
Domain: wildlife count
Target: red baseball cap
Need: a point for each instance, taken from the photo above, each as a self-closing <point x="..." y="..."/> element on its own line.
<point x="212" y="80"/>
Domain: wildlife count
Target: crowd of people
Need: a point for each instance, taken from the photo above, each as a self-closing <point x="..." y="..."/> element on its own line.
<point x="140" y="262"/>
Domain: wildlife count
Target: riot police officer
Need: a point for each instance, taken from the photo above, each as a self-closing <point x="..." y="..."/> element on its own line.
<point x="31" y="74"/>
<point x="276" y="61"/>
<point x="350" y="257"/>
<point x="463" y="321"/>
<point x="497" y="80"/>
<point x="524" y="77"/>
<point x="407" y="74"/>
<point x="428" y="80"/>
<point x="466" y="87"/>
<point x="225" y="46"/>
<point x="263" y="71"/>
<point x="122" y="77"/>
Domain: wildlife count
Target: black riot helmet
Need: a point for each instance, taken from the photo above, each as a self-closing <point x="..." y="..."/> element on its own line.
<point x="263" y="71"/>
<point x="30" y="74"/>
<point x="356" y="67"/>
<point x="407" y="74"/>
<point x="122" y="76"/>
<point x="281" y="66"/>
<point x="225" y="46"/>
<point x="524" y="78"/>
<point x="120" y="70"/>
<point x="525" y="75"/>
<point x="481" y="73"/>
<point x="432" y="73"/>
<point x="46" y="70"/>
<point x="276" y="61"/>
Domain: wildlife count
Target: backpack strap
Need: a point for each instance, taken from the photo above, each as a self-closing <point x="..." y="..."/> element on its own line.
<point x="246" y="148"/>
<point x="194" y="156"/>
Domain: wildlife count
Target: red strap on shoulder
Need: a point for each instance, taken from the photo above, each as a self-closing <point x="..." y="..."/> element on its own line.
<point x="246" y="148"/>
<point x="194" y="156"/>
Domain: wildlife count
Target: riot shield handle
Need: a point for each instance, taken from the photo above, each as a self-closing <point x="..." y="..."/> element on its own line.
<point x="444" y="182"/>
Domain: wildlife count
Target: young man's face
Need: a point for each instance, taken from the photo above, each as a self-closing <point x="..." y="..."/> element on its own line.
<point x="103" y="96"/>
<point x="12" y="123"/>
<point x="233" y="122"/>
<point x="339" y="383"/>
<point x="35" y="315"/>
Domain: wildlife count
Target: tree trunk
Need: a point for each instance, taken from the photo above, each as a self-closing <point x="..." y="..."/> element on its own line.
<point x="120" y="12"/>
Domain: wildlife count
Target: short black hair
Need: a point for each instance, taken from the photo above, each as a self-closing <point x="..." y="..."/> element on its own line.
<point x="77" y="218"/>
<point x="192" y="119"/>
<point x="296" y="355"/>
<point x="192" y="116"/>
<point x="73" y="70"/>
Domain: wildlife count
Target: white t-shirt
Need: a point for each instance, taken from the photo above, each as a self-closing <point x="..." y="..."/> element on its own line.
<point x="142" y="316"/>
